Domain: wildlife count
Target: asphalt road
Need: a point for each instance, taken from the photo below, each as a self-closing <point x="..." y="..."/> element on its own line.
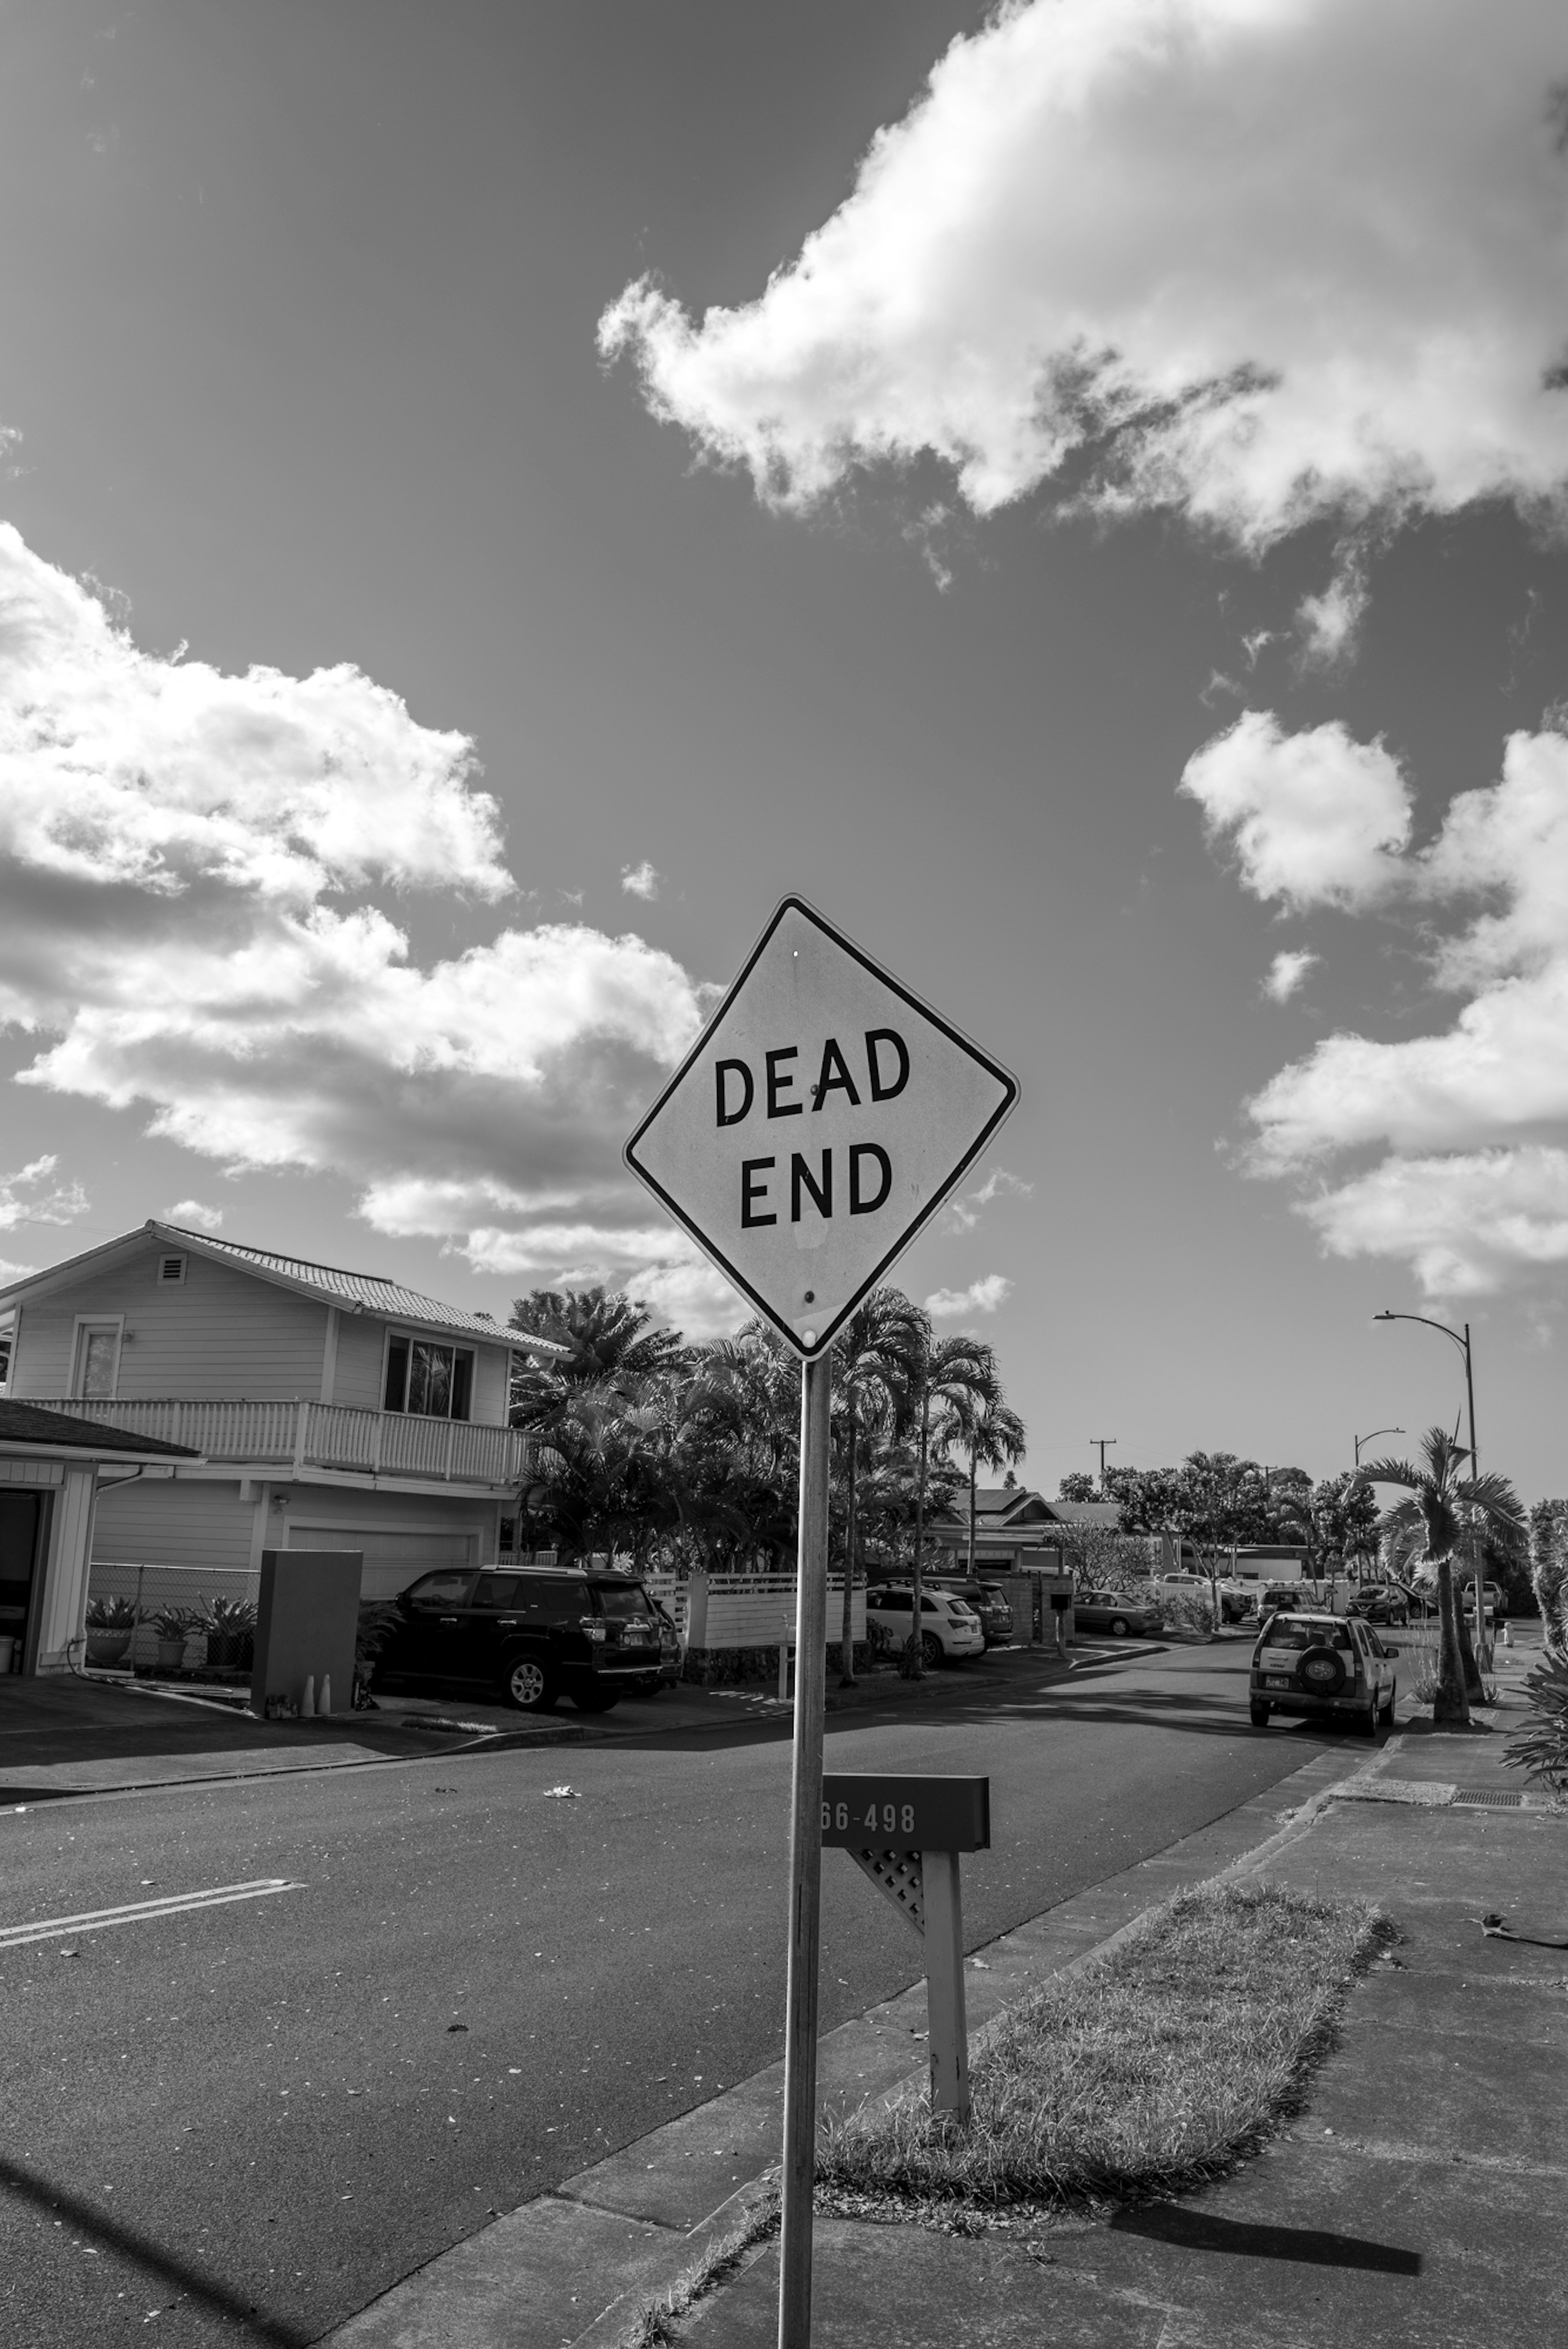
<point x="240" y="2125"/>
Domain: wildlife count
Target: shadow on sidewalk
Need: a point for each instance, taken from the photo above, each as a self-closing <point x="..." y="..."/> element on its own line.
<point x="1186" y="2227"/>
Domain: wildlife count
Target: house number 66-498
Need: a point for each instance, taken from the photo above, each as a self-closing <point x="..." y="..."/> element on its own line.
<point x="891" y="1818"/>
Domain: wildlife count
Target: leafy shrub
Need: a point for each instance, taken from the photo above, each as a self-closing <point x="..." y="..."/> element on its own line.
<point x="229" y="1616"/>
<point x="1541" y="1748"/>
<point x="377" y="1621"/>
<point x="1185" y="1608"/>
<point x="110" y="1615"/>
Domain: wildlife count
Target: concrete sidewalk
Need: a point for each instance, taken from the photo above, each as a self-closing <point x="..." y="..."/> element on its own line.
<point x="1417" y="2198"/>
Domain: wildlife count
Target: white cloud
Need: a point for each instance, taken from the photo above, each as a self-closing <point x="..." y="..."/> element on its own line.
<point x="687" y="1291"/>
<point x="965" y="1211"/>
<point x="640" y="880"/>
<point x="1286" y="973"/>
<point x="1466" y="1223"/>
<point x="1312" y="817"/>
<point x="121" y="771"/>
<point x="1471" y="1192"/>
<point x="32" y="1195"/>
<point x="190" y="1214"/>
<point x="983" y="1295"/>
<point x="176" y="849"/>
<point x="1330" y="623"/>
<point x="1256" y="261"/>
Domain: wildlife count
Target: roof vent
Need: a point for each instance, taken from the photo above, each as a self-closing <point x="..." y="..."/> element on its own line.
<point x="170" y="1269"/>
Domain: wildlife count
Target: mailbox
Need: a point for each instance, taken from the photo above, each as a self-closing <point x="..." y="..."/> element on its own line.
<point x="872" y="1813"/>
<point x="906" y="1834"/>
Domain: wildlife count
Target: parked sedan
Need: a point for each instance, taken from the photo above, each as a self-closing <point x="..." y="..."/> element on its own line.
<point x="1114" y="1611"/>
<point x="949" y="1627"/>
<point x="987" y="1602"/>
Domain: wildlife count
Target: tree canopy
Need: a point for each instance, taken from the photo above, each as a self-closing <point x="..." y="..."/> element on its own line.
<point x="688" y="1455"/>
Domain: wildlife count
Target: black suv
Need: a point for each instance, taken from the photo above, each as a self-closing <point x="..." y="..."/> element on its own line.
<point x="532" y="1636"/>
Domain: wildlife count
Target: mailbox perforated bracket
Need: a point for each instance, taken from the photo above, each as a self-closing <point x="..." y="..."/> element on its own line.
<point x="896" y="1874"/>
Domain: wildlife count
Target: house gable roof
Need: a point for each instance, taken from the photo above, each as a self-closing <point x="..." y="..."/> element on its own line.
<point x="29" y="1423"/>
<point x="357" y="1292"/>
<point x="1087" y="1512"/>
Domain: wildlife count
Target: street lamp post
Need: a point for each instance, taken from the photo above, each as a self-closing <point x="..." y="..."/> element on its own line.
<point x="1483" y="1656"/>
<point x="1358" y="1441"/>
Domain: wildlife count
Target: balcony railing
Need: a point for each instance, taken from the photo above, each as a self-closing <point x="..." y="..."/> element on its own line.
<point x="298" y="1435"/>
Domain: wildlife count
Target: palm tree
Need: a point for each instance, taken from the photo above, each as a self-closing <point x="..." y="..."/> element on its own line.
<point x="994" y="1437"/>
<point x="613" y="1343"/>
<point x="875" y="1356"/>
<point x="958" y="1374"/>
<point x="1439" y="1505"/>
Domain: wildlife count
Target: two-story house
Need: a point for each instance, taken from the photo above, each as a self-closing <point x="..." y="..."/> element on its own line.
<point x="328" y="1409"/>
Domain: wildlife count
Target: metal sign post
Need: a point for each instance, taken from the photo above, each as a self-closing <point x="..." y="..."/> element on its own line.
<point x="814" y="1127"/>
<point x="805" y="1861"/>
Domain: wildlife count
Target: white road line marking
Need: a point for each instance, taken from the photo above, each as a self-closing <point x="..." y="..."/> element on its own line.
<point x="136" y="1912"/>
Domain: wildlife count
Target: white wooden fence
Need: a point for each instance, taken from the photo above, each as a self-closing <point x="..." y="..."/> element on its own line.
<point x="746" y="1610"/>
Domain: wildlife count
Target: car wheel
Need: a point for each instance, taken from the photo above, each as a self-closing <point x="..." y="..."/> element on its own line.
<point x="596" y="1700"/>
<point x="528" y="1685"/>
<point x="931" y="1649"/>
<point x="1260" y="1713"/>
<point x="1393" y="1701"/>
<point x="1367" y="1722"/>
<point x="1120" y="1627"/>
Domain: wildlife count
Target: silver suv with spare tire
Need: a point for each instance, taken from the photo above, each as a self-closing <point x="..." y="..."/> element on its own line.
<point x="1312" y="1663"/>
<point x="532" y="1635"/>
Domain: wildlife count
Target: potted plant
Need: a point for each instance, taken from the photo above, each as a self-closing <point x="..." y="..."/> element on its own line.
<point x="172" y="1626"/>
<point x="110" y="1624"/>
<point x="231" y="1629"/>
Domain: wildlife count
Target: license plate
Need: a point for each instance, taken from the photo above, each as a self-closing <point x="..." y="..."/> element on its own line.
<point x="1276" y="1681"/>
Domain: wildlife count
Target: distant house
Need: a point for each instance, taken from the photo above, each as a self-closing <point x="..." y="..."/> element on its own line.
<point x="1016" y="1527"/>
<point x="328" y="1408"/>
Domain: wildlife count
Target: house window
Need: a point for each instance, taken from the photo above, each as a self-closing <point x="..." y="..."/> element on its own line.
<point x="430" y="1380"/>
<point x="98" y="1361"/>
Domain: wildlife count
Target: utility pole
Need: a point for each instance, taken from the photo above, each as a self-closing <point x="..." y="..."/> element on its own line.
<point x="1104" y="1442"/>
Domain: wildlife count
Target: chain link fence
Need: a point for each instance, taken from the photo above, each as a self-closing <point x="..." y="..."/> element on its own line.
<point x="172" y="1622"/>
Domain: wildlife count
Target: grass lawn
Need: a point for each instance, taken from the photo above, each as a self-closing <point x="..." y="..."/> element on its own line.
<point x="1149" y="2070"/>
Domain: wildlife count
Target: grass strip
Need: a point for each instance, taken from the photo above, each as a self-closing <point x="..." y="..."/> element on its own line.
<point x="1150" y="2069"/>
<point x="654" y="2327"/>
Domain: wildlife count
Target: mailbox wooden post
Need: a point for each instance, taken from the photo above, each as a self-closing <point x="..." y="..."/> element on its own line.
<point x="906" y="1834"/>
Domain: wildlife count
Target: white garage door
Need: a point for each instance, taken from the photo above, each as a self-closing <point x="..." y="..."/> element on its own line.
<point x="392" y="1560"/>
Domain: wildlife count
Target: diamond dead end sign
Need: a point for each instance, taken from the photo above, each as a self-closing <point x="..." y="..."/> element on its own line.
<point x="820" y="1120"/>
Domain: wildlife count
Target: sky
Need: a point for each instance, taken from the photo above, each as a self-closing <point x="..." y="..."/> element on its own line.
<point x="493" y="496"/>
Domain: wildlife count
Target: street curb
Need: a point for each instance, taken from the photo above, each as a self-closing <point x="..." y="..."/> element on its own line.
<point x="503" y="2288"/>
